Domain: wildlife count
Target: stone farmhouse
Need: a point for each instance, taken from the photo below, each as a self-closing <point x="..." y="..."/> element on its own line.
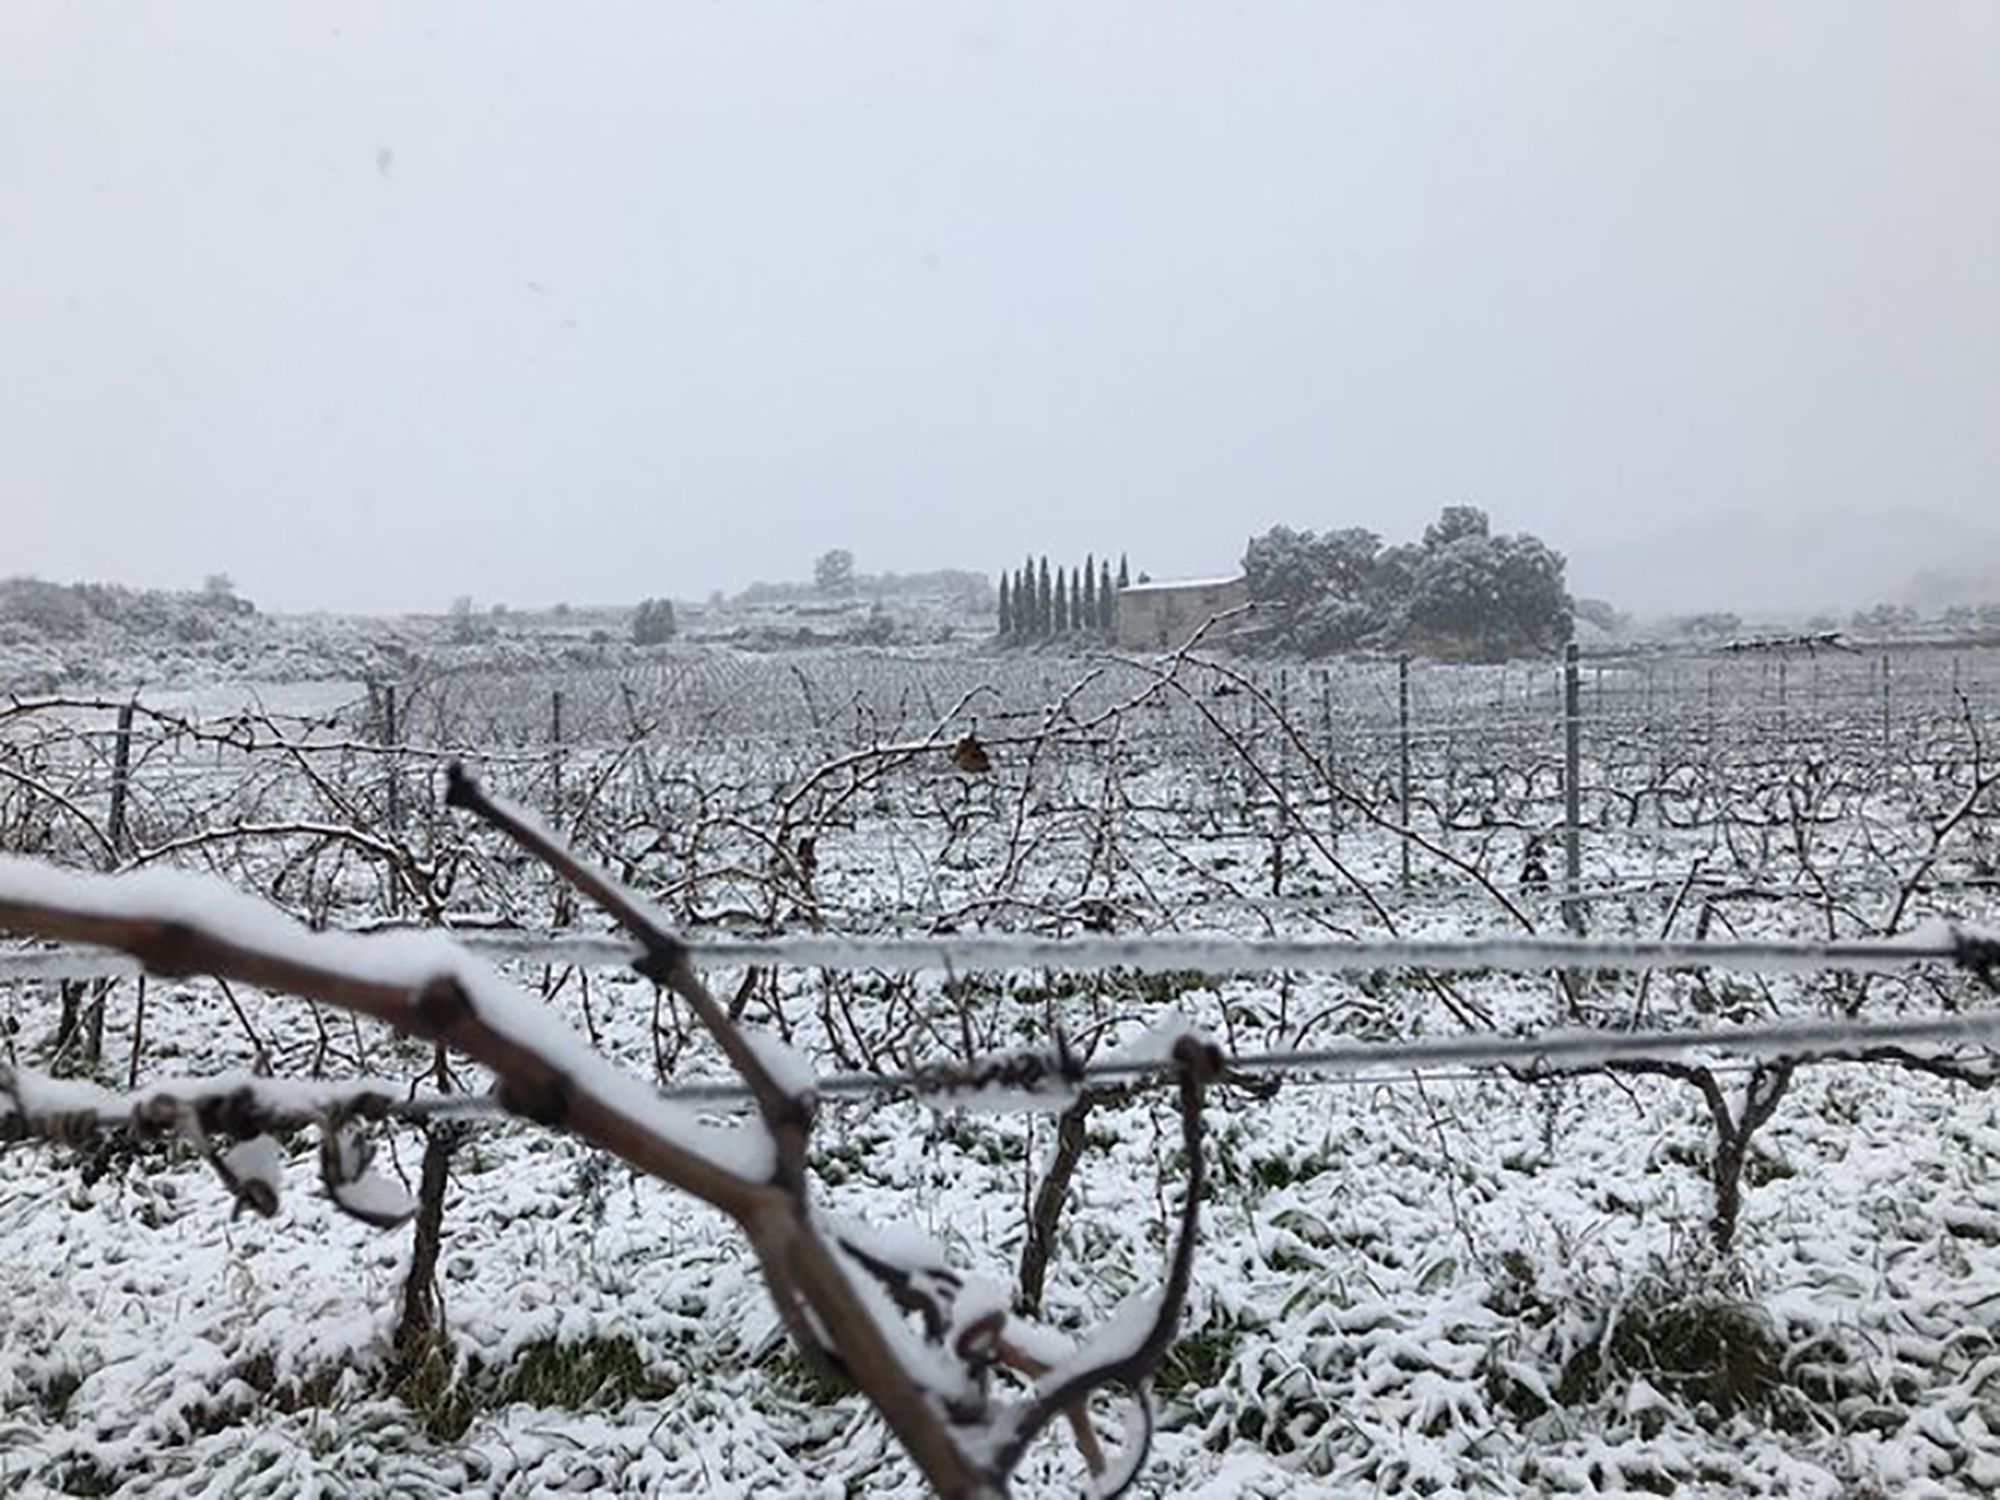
<point x="1159" y="616"/>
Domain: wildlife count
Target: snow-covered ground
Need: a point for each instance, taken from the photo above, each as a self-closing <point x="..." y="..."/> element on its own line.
<point x="1450" y="1285"/>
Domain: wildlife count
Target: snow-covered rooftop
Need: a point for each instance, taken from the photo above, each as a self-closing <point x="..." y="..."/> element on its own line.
<point x="1160" y="585"/>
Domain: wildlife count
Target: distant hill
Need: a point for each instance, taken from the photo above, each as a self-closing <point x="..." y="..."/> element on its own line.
<point x="1974" y="580"/>
<point x="1769" y="567"/>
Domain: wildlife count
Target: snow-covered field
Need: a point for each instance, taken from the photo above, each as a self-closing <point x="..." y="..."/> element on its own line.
<point x="1452" y="1284"/>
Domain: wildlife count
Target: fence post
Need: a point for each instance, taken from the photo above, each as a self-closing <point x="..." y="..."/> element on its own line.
<point x="556" y="755"/>
<point x="1572" y="797"/>
<point x="121" y="781"/>
<point x="389" y="732"/>
<point x="1403" y="735"/>
<point x="1283" y="817"/>
<point x="1887" y="738"/>
<point x="1326" y="753"/>
<point x="1285" y="732"/>
<point x="563" y="906"/>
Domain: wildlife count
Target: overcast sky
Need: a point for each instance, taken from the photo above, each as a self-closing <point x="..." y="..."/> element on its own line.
<point x="375" y="306"/>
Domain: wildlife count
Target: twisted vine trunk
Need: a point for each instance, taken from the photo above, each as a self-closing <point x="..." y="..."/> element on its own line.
<point x="1071" y="1136"/>
<point x="421" y="1315"/>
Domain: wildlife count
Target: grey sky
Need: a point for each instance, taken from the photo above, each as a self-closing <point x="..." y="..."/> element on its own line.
<point x="376" y="306"/>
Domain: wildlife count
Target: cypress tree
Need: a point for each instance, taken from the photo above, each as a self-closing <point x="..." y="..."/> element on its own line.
<point x="1045" y="614"/>
<point x="1006" y="610"/>
<point x="1062" y="603"/>
<point x="1124" y="573"/>
<point x="1090" y="591"/>
<point x="1107" y="600"/>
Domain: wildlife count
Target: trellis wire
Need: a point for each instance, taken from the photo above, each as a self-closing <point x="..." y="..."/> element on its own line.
<point x="1531" y="1055"/>
<point x="1948" y="944"/>
<point x="1534" y="1057"/>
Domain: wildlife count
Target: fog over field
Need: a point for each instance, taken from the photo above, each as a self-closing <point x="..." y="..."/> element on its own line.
<point x="371" y="308"/>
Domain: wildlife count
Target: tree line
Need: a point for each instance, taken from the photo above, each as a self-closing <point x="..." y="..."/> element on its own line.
<point x="1038" y="605"/>
<point x="1460" y="591"/>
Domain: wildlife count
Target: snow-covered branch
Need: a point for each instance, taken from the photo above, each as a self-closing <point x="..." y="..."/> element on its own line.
<point x="847" y="1295"/>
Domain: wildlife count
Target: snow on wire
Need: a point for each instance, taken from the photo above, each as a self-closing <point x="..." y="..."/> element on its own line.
<point x="1529" y="1055"/>
<point x="1051" y="1079"/>
<point x="1947" y="944"/>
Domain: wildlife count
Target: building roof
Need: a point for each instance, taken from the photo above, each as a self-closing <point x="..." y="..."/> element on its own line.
<point x="1164" y="585"/>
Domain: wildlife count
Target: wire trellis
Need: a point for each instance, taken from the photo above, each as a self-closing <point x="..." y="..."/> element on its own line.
<point x="1038" y="1078"/>
<point x="1951" y="945"/>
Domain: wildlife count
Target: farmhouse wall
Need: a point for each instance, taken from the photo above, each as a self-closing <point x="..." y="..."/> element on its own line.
<point x="1153" y="616"/>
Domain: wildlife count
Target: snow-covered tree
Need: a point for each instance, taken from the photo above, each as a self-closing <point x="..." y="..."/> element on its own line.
<point x="1492" y="596"/>
<point x="1460" y="590"/>
<point x="833" y="572"/>
<point x="653" y="622"/>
